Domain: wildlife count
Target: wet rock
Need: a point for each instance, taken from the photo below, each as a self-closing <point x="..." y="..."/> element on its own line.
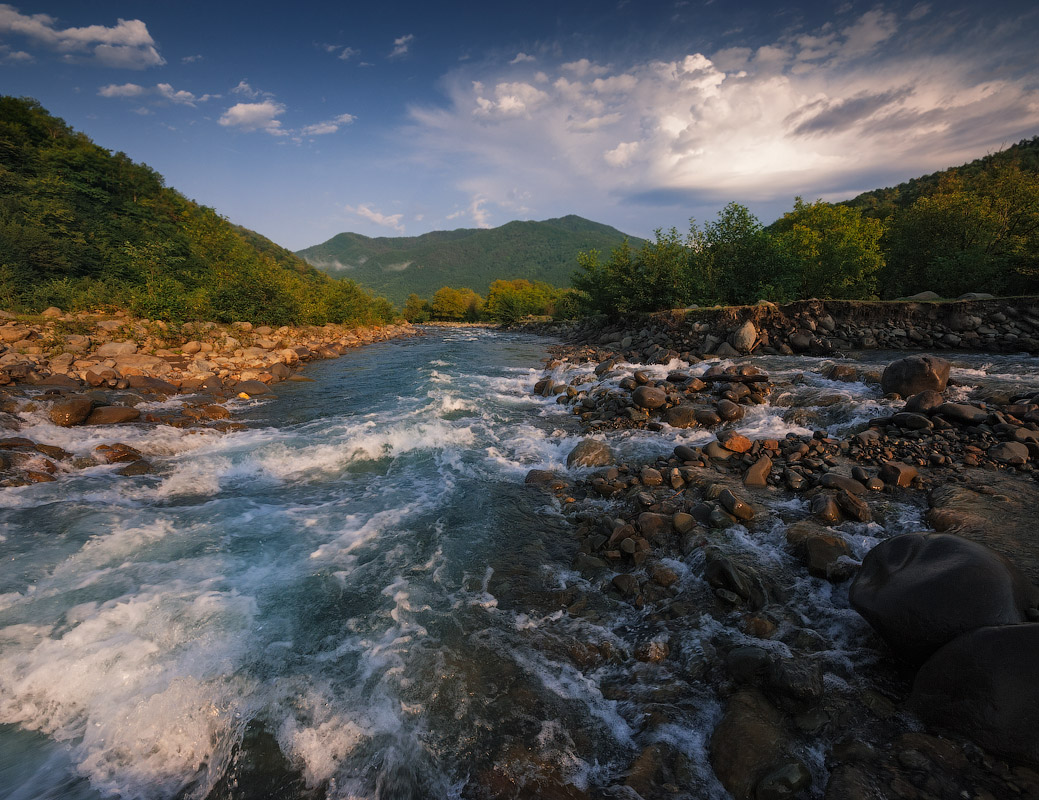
<point x="654" y="527"/>
<point x="924" y="402"/>
<point x="591" y="453"/>
<point x="71" y="411"/>
<point x="725" y="350"/>
<point x="1012" y="453"/>
<point x="134" y="468"/>
<point x="748" y="744"/>
<point x="852" y="506"/>
<point x="962" y="413"/>
<point x="912" y="422"/>
<point x="686" y="453"/>
<point x="748" y="663"/>
<point x="683" y="523"/>
<point x="649" y="397"/>
<point x="626" y="584"/>
<point x="652" y="652"/>
<point x="735" y="506"/>
<point x="915" y="374"/>
<point x="708" y="417"/>
<point x="730" y="411"/>
<point x="736" y="442"/>
<point x="682" y="416"/>
<point x="112" y="415"/>
<point x="650" y="476"/>
<point x="825" y="509"/>
<point x="983" y="684"/>
<point x="921" y="590"/>
<point x="895" y="473"/>
<point x="118" y="453"/>
<point x="758" y="472"/>
<point x="252" y="387"/>
<point x="832" y="480"/>
<point x="786" y="781"/>
<point x="822" y="555"/>
<point x="842" y="372"/>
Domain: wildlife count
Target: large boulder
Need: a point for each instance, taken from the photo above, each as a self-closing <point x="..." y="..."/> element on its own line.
<point x="649" y="397"/>
<point x="744" y="337"/>
<point x="984" y="685"/>
<point x="914" y="374"/>
<point x="920" y="591"/>
<point x="591" y="453"/>
<point x="71" y="411"/>
<point x="749" y="744"/>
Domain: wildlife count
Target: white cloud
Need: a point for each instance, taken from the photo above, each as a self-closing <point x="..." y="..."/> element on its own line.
<point x="255" y="117"/>
<point x="191" y="59"/>
<point x="122" y="90"/>
<point x="385" y="220"/>
<point x="401" y="45"/>
<point x="475" y="211"/>
<point x="127" y="44"/>
<point x="243" y="88"/>
<point x="347" y="53"/>
<point x="522" y="57"/>
<point x="329" y="126"/>
<point x="815" y="111"/>
<point x="162" y="90"/>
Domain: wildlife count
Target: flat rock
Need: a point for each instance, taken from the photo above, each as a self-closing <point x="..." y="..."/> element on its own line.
<point x="114" y="349"/>
<point x="112" y="415"/>
<point x="962" y="413"/>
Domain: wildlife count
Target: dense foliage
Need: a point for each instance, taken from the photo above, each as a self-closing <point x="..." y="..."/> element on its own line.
<point x="81" y="228"/>
<point x="974" y="228"/>
<point x="507" y="302"/>
<point x="397" y="266"/>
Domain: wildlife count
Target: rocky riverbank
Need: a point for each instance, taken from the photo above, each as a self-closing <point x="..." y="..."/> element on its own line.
<point x="107" y="370"/>
<point x="746" y="533"/>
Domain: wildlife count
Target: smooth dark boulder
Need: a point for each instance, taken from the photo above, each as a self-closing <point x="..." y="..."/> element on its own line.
<point x="649" y="397"/>
<point x="680" y="417"/>
<point x="914" y="374"/>
<point x="920" y="591"/>
<point x="985" y="684"/>
<point x="112" y="415"/>
<point x="962" y="413"/>
<point x="252" y="387"/>
<point x="71" y="411"/>
<point x="924" y="402"/>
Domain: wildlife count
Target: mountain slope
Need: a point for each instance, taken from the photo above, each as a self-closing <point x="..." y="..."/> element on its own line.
<point x="82" y="228"/>
<point x="880" y="203"/>
<point x="397" y="266"/>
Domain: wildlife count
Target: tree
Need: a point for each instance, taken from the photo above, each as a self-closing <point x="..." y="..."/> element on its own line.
<point x="457" y="304"/>
<point x="508" y="301"/>
<point x="834" y="250"/>
<point x="416" y="309"/>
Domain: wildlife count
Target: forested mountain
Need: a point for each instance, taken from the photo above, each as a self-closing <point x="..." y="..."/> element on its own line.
<point x="397" y="266"/>
<point x="882" y="203"/>
<point x="82" y="228"/>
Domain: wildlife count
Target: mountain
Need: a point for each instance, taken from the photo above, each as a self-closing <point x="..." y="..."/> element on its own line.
<point x="82" y="228"/>
<point x="397" y="266"/>
<point x="881" y="203"/>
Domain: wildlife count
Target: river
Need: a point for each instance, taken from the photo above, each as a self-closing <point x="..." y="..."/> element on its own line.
<point x="355" y="597"/>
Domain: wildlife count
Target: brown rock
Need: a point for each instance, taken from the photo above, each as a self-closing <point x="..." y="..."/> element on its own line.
<point x="682" y="416"/>
<point x="71" y="411"/>
<point x="736" y="442"/>
<point x="747" y="744"/>
<point x="895" y="473"/>
<point x="112" y="415"/>
<point x="649" y="397"/>
<point x="757" y="474"/>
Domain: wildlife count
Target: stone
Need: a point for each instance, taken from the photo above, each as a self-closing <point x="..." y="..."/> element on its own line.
<point x="962" y="413"/>
<point x="825" y="508"/>
<point x="1012" y="453"/>
<point x="923" y="297"/>
<point x="134" y="468"/>
<point x="736" y="442"/>
<point x="842" y="372"/>
<point x="914" y="374"/>
<point x="654" y="527"/>
<point x="748" y="744"/>
<point x="591" y="453"/>
<point x="983" y="685"/>
<point x="786" y="781"/>
<point x="920" y="591"/>
<point x="51" y="312"/>
<point x="909" y="421"/>
<point x="71" y="411"/>
<point x="112" y="415"/>
<point x="852" y="506"/>
<point x="725" y="350"/>
<point x="683" y="523"/>
<point x="895" y="473"/>
<point x="832" y="480"/>
<point x="682" y="416"/>
<point x="708" y="417"/>
<point x="757" y="474"/>
<point x="924" y="402"/>
<point x="649" y="397"/>
<point x="744" y="337"/>
<point x="652" y="652"/>
<point x="151" y="384"/>
<point x="114" y="349"/>
<point x="252" y="387"/>
<point x="650" y="476"/>
<point x="686" y="453"/>
<point x="735" y="505"/>
<point x="626" y="584"/>
<point x="730" y="411"/>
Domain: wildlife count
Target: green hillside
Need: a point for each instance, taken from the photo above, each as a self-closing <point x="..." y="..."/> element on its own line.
<point x="82" y="228"/>
<point x="397" y="266"/>
<point x="882" y="203"/>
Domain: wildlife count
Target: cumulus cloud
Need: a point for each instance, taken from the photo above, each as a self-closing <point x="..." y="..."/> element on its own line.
<point x="347" y="53"/>
<point x="385" y="220"/>
<point x="163" y="91"/>
<point x="817" y="111"/>
<point x="401" y="45"/>
<point x="127" y="44"/>
<point x="521" y="58"/>
<point x="328" y="126"/>
<point x="255" y="117"/>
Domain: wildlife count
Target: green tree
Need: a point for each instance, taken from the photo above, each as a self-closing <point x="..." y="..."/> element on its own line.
<point x="457" y="304"/>
<point x="834" y="250"/>
<point x="508" y="301"/>
<point x="416" y="309"/>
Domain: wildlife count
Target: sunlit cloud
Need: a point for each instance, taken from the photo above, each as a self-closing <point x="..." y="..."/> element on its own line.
<point x="385" y="220"/>
<point x="255" y="117"/>
<point x="163" y="91"/>
<point x="127" y="44"/>
<point x="401" y="45"/>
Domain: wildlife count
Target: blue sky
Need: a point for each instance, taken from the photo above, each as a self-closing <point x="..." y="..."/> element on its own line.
<point x="304" y="120"/>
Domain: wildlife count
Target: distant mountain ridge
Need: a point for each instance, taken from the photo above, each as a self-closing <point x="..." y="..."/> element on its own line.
<point x="474" y="257"/>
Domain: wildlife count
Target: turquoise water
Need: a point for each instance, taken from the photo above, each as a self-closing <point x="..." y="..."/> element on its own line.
<point x="356" y="597"/>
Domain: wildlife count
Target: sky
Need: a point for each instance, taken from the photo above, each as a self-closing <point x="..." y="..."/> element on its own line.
<point x="308" y="119"/>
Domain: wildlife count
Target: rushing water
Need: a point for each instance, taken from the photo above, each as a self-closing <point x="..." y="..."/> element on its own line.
<point x="355" y="597"/>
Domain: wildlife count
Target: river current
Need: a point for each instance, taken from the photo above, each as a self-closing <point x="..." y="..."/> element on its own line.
<point x="356" y="597"/>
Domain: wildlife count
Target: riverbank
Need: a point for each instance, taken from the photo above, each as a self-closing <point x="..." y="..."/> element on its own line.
<point x="103" y="370"/>
<point x="767" y="516"/>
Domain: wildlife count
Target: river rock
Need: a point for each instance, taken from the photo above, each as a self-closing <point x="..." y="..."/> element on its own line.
<point x="962" y="413"/>
<point x="591" y="453"/>
<point x="914" y="374"/>
<point x="757" y="474"/>
<point x="919" y="591"/>
<point x="736" y="442"/>
<point x="895" y="473"/>
<point x="71" y="411"/>
<point x="984" y="685"/>
<point x="649" y="397"/>
<point x="252" y="387"/>
<point x="924" y="402"/>
<point x="744" y="337"/>
<point x="748" y="744"/>
<point x="730" y="411"/>
<point x="1012" y="453"/>
<point x="923" y="297"/>
<point x="112" y="415"/>
<point x="114" y="349"/>
<point x="683" y="416"/>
